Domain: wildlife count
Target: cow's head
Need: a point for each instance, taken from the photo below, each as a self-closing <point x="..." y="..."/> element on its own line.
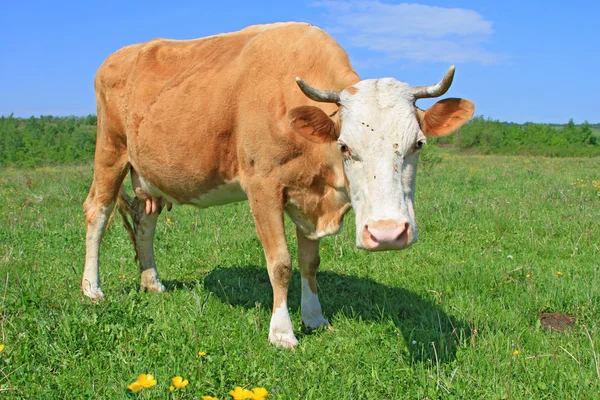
<point x="381" y="135"/>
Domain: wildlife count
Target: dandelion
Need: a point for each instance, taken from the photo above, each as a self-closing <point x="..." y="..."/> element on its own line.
<point x="516" y="352"/>
<point x="241" y="394"/>
<point x="201" y="354"/>
<point x="209" y="398"/>
<point x="414" y="342"/>
<point x="1" y="347"/>
<point x="509" y="257"/>
<point x="528" y="276"/>
<point x="558" y="273"/>
<point x="323" y="248"/>
<point x="168" y="221"/>
<point x="171" y="388"/>
<point x="179" y="382"/>
<point x="259" y="393"/>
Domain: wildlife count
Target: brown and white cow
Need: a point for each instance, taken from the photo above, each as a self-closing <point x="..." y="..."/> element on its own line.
<point x="221" y="119"/>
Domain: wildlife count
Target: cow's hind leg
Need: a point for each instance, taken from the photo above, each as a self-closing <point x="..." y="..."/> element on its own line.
<point x="308" y="259"/>
<point x="144" y="227"/>
<point x="110" y="168"/>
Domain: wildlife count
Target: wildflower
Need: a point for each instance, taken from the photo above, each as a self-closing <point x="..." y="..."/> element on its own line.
<point x="168" y="221"/>
<point x="179" y="382"/>
<point x="259" y="393"/>
<point x="414" y="342"/>
<point x="209" y="398"/>
<point x="241" y="394"/>
<point x="171" y="388"/>
<point x="323" y="248"/>
<point x="135" y="386"/>
<point x="516" y="352"/>
<point x="509" y="257"/>
<point x="558" y="273"/>
<point x="201" y="354"/>
<point x="146" y="381"/>
<point x="1" y="347"/>
<point x="528" y="276"/>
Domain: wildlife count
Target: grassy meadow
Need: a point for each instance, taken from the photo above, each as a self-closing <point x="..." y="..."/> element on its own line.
<point x="502" y="239"/>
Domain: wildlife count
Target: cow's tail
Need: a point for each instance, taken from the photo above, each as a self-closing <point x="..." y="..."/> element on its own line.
<point x="125" y="208"/>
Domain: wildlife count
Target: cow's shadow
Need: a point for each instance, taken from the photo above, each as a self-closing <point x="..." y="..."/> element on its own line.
<point x="430" y="334"/>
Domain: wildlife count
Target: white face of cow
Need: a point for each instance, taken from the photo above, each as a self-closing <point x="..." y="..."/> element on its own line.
<point x="380" y="141"/>
<point x="382" y="133"/>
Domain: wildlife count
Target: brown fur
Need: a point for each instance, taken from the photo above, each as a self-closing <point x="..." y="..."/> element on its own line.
<point x="188" y="116"/>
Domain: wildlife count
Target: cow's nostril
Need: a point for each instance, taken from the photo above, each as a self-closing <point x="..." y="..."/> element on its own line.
<point x="403" y="236"/>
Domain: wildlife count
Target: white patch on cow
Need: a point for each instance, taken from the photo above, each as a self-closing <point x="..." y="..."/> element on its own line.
<point x="380" y="128"/>
<point x="281" y="331"/>
<point x="312" y="315"/>
<point x="90" y="283"/>
<point x="150" y="190"/>
<point x="229" y="192"/>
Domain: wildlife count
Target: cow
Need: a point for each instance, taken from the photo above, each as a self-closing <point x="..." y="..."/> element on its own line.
<point x="273" y="114"/>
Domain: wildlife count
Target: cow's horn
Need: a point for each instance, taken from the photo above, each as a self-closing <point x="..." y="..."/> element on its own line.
<point x="421" y="92"/>
<point x="325" y="96"/>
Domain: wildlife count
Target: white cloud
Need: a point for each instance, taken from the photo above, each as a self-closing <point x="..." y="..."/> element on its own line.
<point x="412" y="31"/>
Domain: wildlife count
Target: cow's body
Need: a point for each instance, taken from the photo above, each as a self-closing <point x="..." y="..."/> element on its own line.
<point x="206" y="122"/>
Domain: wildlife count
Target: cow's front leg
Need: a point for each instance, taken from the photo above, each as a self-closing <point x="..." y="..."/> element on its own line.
<point x="268" y="216"/>
<point x="308" y="258"/>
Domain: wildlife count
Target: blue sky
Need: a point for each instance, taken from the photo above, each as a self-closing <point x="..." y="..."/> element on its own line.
<point x="517" y="61"/>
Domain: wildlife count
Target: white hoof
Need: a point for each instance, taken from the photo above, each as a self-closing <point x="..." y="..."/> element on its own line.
<point x="285" y="340"/>
<point x="281" y="330"/>
<point x="94" y="293"/>
<point x="154" y="286"/>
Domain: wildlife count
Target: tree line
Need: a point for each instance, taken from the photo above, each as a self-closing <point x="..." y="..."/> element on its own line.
<point x="489" y="136"/>
<point x="31" y="142"/>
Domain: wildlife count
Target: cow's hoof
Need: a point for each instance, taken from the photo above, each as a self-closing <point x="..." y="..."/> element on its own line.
<point x="94" y="294"/>
<point x="315" y="321"/>
<point x="154" y="287"/>
<point x="285" y="340"/>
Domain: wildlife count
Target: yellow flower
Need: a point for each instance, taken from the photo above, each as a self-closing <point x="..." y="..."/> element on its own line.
<point x="1" y="347"/>
<point x="179" y="382"/>
<point x="171" y="388"/>
<point x="201" y="354"/>
<point x="209" y="398"/>
<point x="135" y="386"/>
<point x="259" y="393"/>
<point x="241" y="394"/>
<point x="516" y="352"/>
<point x="168" y="221"/>
<point x="146" y="381"/>
<point x="558" y="273"/>
<point x="323" y="248"/>
<point x="528" y="276"/>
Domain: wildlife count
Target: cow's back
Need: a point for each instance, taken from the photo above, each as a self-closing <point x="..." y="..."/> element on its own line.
<point x="199" y="107"/>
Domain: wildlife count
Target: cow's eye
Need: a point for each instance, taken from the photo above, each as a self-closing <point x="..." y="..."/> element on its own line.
<point x="419" y="145"/>
<point x="344" y="148"/>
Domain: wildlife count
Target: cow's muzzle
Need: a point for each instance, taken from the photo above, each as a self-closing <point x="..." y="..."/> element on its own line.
<point x="386" y="235"/>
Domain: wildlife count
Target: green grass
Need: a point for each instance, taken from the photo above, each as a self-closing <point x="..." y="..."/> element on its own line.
<point x="440" y="320"/>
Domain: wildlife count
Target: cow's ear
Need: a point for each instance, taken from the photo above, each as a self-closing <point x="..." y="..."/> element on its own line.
<point x="445" y="116"/>
<point x="313" y="124"/>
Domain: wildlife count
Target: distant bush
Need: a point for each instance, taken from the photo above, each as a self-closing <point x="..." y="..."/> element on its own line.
<point x="31" y="142"/>
<point x="46" y="140"/>
<point x="494" y="137"/>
